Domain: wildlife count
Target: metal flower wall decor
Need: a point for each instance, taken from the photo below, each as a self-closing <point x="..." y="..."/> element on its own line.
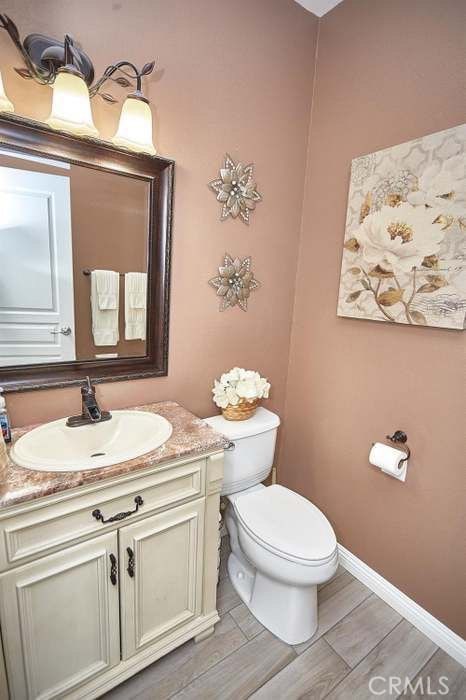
<point x="236" y="190"/>
<point x="234" y="283"/>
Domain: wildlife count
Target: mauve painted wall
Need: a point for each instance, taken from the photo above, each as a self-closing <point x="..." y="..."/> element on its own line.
<point x="235" y="76"/>
<point x="387" y="72"/>
<point x="239" y="76"/>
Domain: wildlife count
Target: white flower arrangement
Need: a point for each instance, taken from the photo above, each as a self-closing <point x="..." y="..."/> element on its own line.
<point x="239" y="385"/>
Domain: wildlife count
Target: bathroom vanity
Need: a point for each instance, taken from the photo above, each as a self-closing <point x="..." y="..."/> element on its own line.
<point x="104" y="571"/>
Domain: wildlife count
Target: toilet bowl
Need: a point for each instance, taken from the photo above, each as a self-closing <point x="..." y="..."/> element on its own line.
<point x="282" y="545"/>
<point x="276" y="571"/>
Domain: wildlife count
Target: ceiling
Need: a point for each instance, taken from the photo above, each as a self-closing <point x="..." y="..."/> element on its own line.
<point x="318" y="7"/>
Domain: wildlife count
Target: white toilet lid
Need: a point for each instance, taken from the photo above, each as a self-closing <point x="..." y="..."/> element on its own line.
<point x="287" y="522"/>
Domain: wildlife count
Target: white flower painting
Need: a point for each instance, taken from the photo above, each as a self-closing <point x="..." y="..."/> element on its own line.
<point x="404" y="253"/>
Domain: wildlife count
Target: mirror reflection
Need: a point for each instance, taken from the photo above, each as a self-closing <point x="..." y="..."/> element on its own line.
<point x="73" y="261"/>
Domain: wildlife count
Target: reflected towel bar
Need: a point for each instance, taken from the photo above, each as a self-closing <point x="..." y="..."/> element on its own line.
<point x="86" y="271"/>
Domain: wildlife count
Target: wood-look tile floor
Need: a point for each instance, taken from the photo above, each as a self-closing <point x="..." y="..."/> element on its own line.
<point x="359" y="637"/>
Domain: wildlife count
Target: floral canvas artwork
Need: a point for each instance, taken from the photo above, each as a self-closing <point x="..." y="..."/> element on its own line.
<point x="404" y="252"/>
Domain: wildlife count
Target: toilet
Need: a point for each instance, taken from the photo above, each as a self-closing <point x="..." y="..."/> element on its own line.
<point x="282" y="545"/>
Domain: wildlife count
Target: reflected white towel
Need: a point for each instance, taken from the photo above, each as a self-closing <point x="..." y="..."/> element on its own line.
<point x="104" y="320"/>
<point x="108" y="288"/>
<point x="135" y="305"/>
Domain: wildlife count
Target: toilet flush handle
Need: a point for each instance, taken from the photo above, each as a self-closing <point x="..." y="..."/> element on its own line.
<point x="230" y="446"/>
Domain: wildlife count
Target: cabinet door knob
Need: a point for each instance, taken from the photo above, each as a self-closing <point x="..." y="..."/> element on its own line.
<point x="113" y="569"/>
<point x="130" y="568"/>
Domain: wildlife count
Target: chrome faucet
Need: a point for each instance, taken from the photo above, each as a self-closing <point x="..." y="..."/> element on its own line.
<point x="90" y="412"/>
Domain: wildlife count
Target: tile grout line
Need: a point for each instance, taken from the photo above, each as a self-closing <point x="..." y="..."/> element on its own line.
<point x="291" y="647"/>
<point x="264" y="629"/>
<point x="360" y="662"/>
<point x="423" y="667"/>
<point x="372" y="595"/>
<point x="297" y="655"/>
<point x="338" y="621"/>
<point x="291" y="661"/>
<point x="334" y="578"/>
<point x="335" y="652"/>
<point x="350" y="668"/>
<point x="375" y="645"/>
<point x="236" y="624"/>
<point x="246" y="640"/>
<point x="403" y="619"/>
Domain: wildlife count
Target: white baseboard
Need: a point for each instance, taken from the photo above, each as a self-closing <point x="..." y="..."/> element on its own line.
<point x="439" y="633"/>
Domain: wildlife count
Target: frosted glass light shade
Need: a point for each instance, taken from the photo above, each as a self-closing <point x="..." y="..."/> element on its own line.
<point x="135" y="127"/>
<point x="5" y="104"/>
<point x="71" y="106"/>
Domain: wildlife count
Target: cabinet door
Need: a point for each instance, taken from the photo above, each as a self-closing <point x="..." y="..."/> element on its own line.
<point x="60" y="620"/>
<point x="161" y="574"/>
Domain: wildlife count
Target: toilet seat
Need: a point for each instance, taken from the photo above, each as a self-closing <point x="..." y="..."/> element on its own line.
<point x="286" y="524"/>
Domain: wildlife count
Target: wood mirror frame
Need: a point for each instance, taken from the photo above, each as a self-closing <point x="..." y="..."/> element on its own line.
<point x="24" y="135"/>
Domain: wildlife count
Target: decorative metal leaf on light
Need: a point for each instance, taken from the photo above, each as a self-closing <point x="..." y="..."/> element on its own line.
<point x="121" y="80"/>
<point x="24" y="73"/>
<point x="107" y="97"/>
<point x="236" y="190"/>
<point x="234" y="283"/>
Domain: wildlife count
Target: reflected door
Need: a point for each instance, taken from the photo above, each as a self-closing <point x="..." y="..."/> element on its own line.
<point x="36" y="268"/>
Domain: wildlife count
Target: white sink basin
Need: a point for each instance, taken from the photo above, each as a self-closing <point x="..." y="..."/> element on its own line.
<point x="54" y="447"/>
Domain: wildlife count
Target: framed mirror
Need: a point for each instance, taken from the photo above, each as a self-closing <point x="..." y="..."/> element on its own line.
<point x="85" y="232"/>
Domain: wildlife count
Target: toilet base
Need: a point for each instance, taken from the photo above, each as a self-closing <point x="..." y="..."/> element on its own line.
<point x="277" y="606"/>
<point x="241" y="575"/>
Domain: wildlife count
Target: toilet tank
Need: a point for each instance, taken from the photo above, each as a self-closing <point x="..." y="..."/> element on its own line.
<point x="250" y="460"/>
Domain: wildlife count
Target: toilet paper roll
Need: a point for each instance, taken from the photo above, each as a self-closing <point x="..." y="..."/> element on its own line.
<point x="388" y="459"/>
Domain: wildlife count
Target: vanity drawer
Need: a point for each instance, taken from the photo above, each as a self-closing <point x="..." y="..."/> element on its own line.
<point x="54" y="526"/>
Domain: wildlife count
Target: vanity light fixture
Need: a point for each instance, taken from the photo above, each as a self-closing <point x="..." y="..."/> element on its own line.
<point x="71" y="73"/>
<point x="5" y="104"/>
<point x="135" y="127"/>
<point x="71" y="105"/>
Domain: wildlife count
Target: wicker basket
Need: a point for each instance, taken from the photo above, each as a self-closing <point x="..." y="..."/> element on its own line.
<point x="241" y="411"/>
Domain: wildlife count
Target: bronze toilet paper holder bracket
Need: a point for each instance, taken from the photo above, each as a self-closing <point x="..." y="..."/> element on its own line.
<point x="399" y="436"/>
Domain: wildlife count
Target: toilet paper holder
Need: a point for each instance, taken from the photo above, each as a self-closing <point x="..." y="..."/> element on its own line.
<point x="399" y="436"/>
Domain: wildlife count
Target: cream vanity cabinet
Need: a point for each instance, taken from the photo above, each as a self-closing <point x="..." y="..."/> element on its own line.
<point x="85" y="604"/>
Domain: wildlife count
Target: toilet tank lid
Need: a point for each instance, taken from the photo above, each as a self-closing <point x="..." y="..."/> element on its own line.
<point x="262" y="421"/>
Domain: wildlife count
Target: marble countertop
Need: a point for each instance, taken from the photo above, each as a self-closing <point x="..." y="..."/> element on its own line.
<point x="190" y="437"/>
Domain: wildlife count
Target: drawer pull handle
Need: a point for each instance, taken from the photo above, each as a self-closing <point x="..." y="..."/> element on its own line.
<point x="113" y="569"/>
<point x="98" y="515"/>
<point x="130" y="568"/>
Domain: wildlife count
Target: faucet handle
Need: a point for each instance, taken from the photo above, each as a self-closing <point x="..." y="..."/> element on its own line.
<point x="87" y="388"/>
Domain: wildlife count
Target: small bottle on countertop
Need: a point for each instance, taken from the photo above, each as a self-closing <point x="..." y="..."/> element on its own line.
<point x="3" y="454"/>
<point x="4" y="419"/>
